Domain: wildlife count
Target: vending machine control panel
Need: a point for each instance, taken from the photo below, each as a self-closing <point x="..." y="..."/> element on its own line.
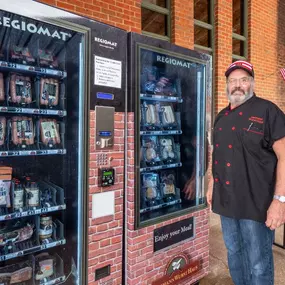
<point x="104" y="127"/>
<point x="106" y="176"/>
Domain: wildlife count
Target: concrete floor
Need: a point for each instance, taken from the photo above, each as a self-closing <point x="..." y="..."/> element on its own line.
<point x="219" y="273"/>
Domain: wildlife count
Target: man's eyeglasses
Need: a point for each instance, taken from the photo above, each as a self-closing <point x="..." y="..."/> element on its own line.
<point x="242" y="81"/>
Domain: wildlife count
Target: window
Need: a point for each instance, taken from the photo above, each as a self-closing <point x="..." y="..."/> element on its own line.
<point x="239" y="41"/>
<point x="156" y="18"/>
<point x="203" y="25"/>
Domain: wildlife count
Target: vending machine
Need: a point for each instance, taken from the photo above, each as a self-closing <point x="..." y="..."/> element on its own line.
<point x="169" y="123"/>
<point x="43" y="146"/>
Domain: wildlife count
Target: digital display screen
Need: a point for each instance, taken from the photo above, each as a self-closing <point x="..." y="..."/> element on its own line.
<point x="108" y="173"/>
<point x="105" y="133"/>
<point x="106" y="96"/>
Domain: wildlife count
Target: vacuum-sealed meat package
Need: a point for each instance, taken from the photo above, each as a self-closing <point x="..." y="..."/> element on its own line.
<point x="168" y="186"/>
<point x="150" y="150"/>
<point x="168" y="118"/>
<point x="49" y="91"/>
<point x="2" y="130"/>
<point x="150" y="187"/>
<point x="22" y="55"/>
<point x="22" y="131"/>
<point x="2" y="90"/>
<point x="47" y="59"/>
<point x="168" y="149"/>
<point x="49" y="132"/>
<point x="20" y="89"/>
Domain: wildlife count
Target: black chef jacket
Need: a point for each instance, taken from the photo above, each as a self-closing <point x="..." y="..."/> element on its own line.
<point x="244" y="163"/>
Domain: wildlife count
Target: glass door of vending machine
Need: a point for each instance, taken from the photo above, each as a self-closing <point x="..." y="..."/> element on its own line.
<point x="171" y="99"/>
<point x="43" y="150"/>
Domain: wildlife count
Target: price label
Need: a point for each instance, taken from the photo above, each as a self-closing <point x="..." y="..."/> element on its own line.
<point x="13" y="255"/>
<point x="43" y="70"/>
<point x="15" y="153"/>
<point x="44" y="210"/>
<point x="12" y="65"/>
<point x="43" y="112"/>
<point x="31" y="212"/>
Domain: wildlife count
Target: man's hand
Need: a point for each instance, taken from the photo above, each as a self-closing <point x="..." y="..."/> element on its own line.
<point x="209" y="194"/>
<point x="275" y="215"/>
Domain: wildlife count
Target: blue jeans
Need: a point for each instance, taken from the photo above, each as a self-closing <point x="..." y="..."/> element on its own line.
<point x="250" y="256"/>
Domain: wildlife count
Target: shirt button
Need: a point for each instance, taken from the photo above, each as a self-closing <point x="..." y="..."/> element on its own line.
<point x="217" y="145"/>
<point x="228" y="182"/>
<point x="233" y="128"/>
<point x="240" y="113"/>
<point x="226" y="113"/>
<point x="216" y="180"/>
<point x="228" y="164"/>
<point x="216" y="162"/>
<point x="230" y="146"/>
<point x="220" y="129"/>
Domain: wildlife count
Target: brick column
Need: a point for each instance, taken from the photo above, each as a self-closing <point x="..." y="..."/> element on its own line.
<point x="223" y="50"/>
<point x="182" y="30"/>
<point x="267" y="48"/>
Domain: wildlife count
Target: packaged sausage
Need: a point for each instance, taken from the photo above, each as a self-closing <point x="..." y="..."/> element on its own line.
<point x="2" y="92"/>
<point x="22" y="55"/>
<point x="168" y="118"/>
<point x="22" y="131"/>
<point x="47" y="59"/>
<point x="150" y="115"/>
<point x="49" y="132"/>
<point x="2" y="130"/>
<point x="20" y="89"/>
<point x="49" y="91"/>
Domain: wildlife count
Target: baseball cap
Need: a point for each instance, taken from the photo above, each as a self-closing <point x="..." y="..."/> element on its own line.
<point x="240" y="64"/>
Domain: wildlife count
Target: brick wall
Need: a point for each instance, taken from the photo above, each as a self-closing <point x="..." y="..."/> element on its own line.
<point x="267" y="47"/>
<point x="124" y="14"/>
<point x="223" y="49"/>
<point x="105" y="234"/>
<point x="182" y="12"/>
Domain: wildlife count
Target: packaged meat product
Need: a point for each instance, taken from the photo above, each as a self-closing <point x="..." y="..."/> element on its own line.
<point x="16" y="233"/>
<point x="167" y="115"/>
<point x="22" y="131"/>
<point x="150" y="150"/>
<point x="5" y="185"/>
<point x="49" y="91"/>
<point x="47" y="58"/>
<point x="167" y="149"/>
<point x="21" y="275"/>
<point x="20" y="89"/>
<point x="22" y="54"/>
<point x="2" y="92"/>
<point x="2" y="130"/>
<point x="44" y="266"/>
<point x="168" y="187"/>
<point x="150" y="187"/>
<point x="150" y="115"/>
<point x="49" y="132"/>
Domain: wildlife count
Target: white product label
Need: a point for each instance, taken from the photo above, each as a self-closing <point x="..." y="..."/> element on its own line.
<point x="49" y="130"/>
<point x="33" y="197"/>
<point x="18" y="199"/>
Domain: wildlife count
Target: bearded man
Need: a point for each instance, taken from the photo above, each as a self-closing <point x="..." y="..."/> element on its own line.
<point x="248" y="185"/>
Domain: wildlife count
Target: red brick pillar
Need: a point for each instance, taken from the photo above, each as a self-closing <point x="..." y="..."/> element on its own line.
<point x="223" y="50"/>
<point x="182" y="17"/>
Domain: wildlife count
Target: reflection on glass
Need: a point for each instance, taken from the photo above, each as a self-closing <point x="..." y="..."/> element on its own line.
<point x="154" y="22"/>
<point x="238" y="47"/>
<point x="161" y="3"/>
<point x="172" y="118"/>
<point x="202" y="36"/>
<point x="202" y="11"/>
<point x="238" y="17"/>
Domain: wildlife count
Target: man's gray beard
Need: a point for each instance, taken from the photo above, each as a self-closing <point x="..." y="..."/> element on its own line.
<point x="237" y="100"/>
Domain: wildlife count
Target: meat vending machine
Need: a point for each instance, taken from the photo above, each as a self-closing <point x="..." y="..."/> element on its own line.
<point x="42" y="147"/>
<point x="169" y="123"/>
